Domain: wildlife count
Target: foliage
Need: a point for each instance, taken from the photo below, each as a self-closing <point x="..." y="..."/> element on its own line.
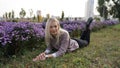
<point x="22" y="13"/>
<point x="47" y="17"/>
<point x="102" y="52"/>
<point x="13" y="14"/>
<point x="62" y="16"/>
<point x="102" y="9"/>
<point x="115" y="9"/>
<point x="113" y="5"/>
<point x="14" y="37"/>
<point x="6" y="15"/>
<point x="9" y="14"/>
<point x="18" y="35"/>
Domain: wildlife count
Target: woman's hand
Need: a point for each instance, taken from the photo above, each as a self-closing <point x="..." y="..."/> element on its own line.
<point x="40" y="57"/>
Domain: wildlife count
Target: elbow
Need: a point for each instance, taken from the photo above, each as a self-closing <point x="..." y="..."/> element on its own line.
<point x="60" y="53"/>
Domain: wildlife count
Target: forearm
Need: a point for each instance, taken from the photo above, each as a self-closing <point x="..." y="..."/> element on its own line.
<point x="47" y="51"/>
<point x="50" y="55"/>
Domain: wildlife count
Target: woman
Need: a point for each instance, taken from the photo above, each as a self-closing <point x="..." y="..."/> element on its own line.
<point x="58" y="40"/>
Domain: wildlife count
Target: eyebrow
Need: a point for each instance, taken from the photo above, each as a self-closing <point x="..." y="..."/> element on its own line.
<point x="53" y="25"/>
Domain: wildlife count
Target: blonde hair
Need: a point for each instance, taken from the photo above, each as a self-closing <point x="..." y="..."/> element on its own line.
<point x="47" y="30"/>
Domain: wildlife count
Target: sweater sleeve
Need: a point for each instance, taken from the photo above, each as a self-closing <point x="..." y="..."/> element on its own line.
<point x="64" y="43"/>
<point x="48" y="49"/>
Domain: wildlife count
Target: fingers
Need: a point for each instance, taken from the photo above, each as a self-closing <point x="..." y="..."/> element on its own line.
<point x="40" y="57"/>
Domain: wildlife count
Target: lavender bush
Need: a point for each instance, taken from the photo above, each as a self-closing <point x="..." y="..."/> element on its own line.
<point x="17" y="36"/>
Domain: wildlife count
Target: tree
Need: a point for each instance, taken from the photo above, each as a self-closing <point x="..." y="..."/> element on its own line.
<point x="114" y="7"/>
<point x="6" y="15"/>
<point x="22" y="13"/>
<point x="48" y="16"/>
<point x="34" y="18"/>
<point x="9" y="15"/>
<point x="13" y="15"/>
<point x="62" y="16"/>
<point x="102" y="9"/>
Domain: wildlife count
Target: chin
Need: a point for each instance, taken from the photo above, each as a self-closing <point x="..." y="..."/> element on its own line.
<point x="54" y="34"/>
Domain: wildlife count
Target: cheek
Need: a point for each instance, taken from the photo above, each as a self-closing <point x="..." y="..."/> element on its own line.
<point x="54" y="30"/>
<point x="57" y="29"/>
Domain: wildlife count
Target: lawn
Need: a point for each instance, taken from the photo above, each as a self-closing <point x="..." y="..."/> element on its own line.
<point x="102" y="52"/>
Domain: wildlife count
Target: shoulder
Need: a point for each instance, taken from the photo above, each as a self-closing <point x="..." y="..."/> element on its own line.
<point x="64" y="32"/>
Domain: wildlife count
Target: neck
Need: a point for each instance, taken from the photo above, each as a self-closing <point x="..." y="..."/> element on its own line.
<point x="54" y="36"/>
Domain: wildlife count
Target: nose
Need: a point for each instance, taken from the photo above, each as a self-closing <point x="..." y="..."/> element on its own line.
<point x="53" y="28"/>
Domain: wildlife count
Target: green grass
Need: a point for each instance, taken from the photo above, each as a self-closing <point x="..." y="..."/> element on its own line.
<point x="103" y="52"/>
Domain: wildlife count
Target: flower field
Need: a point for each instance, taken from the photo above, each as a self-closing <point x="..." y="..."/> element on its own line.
<point x="14" y="37"/>
<point x="22" y="41"/>
<point x="102" y="52"/>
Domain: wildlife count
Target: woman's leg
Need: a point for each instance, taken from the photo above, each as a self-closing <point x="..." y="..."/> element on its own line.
<point x="85" y="36"/>
<point x="82" y="43"/>
<point x="84" y="39"/>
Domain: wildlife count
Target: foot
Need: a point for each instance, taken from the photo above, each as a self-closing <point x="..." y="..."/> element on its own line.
<point x="89" y="21"/>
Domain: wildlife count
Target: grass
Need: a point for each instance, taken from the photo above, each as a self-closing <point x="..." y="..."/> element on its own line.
<point x="103" y="52"/>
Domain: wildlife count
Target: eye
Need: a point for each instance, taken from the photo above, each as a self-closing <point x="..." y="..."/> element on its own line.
<point x="55" y="26"/>
<point x="51" y="26"/>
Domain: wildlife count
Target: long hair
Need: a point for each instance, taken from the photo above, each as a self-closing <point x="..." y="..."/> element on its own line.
<point x="47" y="30"/>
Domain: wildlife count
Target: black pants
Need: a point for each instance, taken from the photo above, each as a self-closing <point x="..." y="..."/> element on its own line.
<point x="84" y="40"/>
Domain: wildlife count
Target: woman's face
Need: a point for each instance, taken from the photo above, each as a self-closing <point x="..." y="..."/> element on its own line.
<point x="54" y="28"/>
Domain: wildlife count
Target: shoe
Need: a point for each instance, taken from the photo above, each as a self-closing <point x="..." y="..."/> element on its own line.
<point x="89" y="21"/>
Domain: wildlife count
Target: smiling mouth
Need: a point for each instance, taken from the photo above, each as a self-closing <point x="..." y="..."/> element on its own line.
<point x="53" y="32"/>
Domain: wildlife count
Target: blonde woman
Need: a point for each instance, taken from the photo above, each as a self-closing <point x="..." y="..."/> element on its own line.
<point x="59" y="42"/>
